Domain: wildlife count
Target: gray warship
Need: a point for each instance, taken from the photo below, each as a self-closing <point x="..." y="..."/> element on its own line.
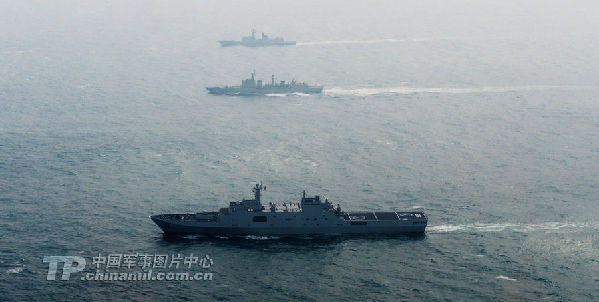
<point x="311" y="216"/>
<point x="251" y="87"/>
<point x="251" y="41"/>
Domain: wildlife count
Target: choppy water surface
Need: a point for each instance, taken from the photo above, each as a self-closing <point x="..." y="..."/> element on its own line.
<point x="492" y="132"/>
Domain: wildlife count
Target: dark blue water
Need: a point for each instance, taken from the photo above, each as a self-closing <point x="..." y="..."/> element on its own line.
<point x="493" y="131"/>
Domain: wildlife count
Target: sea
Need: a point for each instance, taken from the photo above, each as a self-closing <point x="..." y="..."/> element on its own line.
<point x="483" y="115"/>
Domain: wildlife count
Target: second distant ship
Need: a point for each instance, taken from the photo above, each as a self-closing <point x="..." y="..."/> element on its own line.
<point x="251" y="87"/>
<point x="251" y="41"/>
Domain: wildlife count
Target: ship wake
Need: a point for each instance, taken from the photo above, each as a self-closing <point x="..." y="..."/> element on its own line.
<point x="287" y="94"/>
<point x="372" y="91"/>
<point x="516" y="227"/>
<point x="312" y="43"/>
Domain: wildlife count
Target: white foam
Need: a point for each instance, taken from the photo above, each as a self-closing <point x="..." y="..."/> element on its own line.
<point x="493" y="227"/>
<point x="256" y="237"/>
<point x="15" y="270"/>
<point x="445" y="228"/>
<point x="285" y="94"/>
<point x="502" y="277"/>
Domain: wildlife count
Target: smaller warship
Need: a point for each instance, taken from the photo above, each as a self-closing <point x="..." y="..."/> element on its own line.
<point x="251" y="41"/>
<point x="252" y="87"/>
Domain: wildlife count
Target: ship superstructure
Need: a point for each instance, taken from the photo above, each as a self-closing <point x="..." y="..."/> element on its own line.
<point x="311" y="216"/>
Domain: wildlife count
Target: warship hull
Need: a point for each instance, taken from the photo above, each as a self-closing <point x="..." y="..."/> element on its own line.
<point x="264" y="91"/>
<point x="190" y="224"/>
<point x="224" y="231"/>
<point x="310" y="216"/>
<point x="253" y="87"/>
<point x="256" y="43"/>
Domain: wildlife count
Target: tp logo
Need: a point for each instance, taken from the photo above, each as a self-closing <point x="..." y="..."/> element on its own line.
<point x="67" y="269"/>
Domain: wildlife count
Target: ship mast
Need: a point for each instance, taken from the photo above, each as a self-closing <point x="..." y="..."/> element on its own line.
<point x="257" y="190"/>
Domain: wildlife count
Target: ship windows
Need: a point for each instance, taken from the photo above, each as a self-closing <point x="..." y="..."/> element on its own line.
<point x="259" y="219"/>
<point x="358" y="223"/>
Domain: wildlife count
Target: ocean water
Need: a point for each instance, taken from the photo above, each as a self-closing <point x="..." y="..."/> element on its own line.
<point x="485" y="116"/>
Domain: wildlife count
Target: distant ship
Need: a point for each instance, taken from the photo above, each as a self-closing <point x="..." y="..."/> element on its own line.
<point x="253" y="42"/>
<point x="311" y="216"/>
<point x="251" y="87"/>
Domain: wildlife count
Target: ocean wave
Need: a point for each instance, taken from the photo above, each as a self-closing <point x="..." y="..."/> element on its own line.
<point x="370" y="91"/>
<point x="502" y="277"/>
<point x="263" y="237"/>
<point x="15" y="270"/>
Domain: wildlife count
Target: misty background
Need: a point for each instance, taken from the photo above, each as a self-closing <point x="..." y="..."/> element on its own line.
<point x="482" y="113"/>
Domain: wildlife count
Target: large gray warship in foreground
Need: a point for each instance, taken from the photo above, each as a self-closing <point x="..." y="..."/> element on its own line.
<point x="251" y="41"/>
<point x="311" y="216"/>
<point x="251" y="87"/>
